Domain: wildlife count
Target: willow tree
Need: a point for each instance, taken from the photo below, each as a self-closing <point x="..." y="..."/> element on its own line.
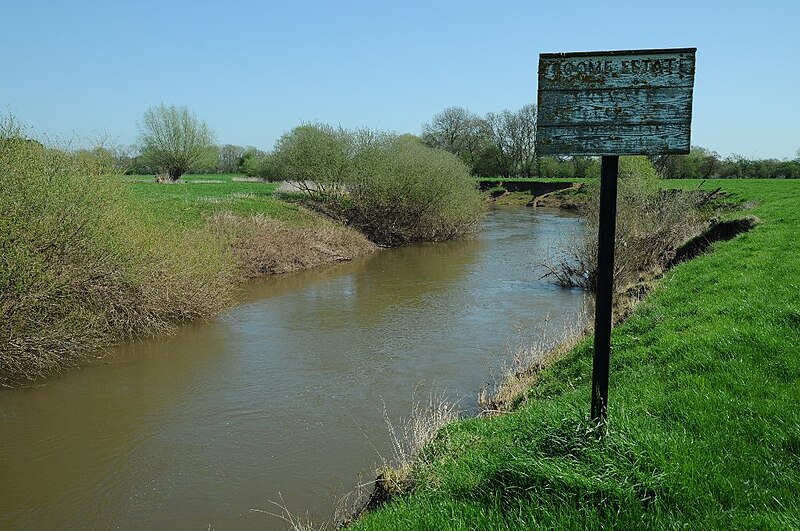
<point x="174" y="141"/>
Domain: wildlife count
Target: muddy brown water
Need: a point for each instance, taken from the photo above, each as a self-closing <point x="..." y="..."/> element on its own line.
<point x="282" y="399"/>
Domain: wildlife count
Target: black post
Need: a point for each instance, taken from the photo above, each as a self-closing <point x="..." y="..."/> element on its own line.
<point x="609" y="169"/>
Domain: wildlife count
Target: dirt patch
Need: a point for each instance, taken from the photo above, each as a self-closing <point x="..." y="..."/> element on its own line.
<point x="265" y="246"/>
<point x="718" y="231"/>
<point x="560" y="199"/>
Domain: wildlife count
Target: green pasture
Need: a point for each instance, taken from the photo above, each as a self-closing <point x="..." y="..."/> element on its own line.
<point x="195" y="197"/>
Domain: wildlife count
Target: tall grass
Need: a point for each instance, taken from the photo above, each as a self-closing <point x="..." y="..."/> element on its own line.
<point x="83" y="264"/>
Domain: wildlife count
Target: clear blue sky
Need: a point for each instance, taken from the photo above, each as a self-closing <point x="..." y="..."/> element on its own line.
<point x="253" y="70"/>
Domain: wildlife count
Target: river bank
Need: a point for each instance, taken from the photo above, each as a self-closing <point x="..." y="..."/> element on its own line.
<point x="94" y="260"/>
<point x="703" y="428"/>
<point x="266" y="234"/>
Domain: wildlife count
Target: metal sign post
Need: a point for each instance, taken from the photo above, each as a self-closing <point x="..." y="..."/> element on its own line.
<point x="604" y="288"/>
<point x="631" y="102"/>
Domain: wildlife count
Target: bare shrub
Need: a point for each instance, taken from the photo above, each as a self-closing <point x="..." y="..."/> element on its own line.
<point x="651" y="225"/>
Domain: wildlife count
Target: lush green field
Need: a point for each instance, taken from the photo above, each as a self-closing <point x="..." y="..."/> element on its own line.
<point x="197" y="196"/>
<point x="704" y="417"/>
<point x="529" y="180"/>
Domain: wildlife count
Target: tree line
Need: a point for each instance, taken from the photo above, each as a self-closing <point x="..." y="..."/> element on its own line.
<point x="703" y="163"/>
<point x="503" y="145"/>
<point x="225" y="158"/>
<point x="173" y="141"/>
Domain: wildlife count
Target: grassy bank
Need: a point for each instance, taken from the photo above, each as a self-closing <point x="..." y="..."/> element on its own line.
<point x="266" y="234"/>
<point x="704" y="427"/>
<point x="196" y="197"/>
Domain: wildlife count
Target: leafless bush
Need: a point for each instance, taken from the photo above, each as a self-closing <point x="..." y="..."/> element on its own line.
<point x="650" y="227"/>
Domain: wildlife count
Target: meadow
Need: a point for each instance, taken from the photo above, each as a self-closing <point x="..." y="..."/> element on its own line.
<point x="196" y="197"/>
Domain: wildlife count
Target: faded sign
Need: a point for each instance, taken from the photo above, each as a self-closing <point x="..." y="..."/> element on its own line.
<point x="615" y="103"/>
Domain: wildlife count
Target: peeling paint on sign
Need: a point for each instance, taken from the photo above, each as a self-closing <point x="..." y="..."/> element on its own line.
<point x="636" y="102"/>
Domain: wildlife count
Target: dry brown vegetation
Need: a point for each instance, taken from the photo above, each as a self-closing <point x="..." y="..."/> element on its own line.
<point x="265" y="246"/>
<point x="525" y="359"/>
<point x="651" y="226"/>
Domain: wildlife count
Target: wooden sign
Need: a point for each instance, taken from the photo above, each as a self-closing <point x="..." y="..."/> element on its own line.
<point x="633" y="102"/>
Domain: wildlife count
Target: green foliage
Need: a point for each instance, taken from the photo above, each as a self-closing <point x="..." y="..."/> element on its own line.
<point x="555" y="168"/>
<point x="401" y="191"/>
<point x="174" y="141"/>
<point x="393" y="188"/>
<point x="318" y="153"/>
<point x="84" y="264"/>
<point x="263" y="166"/>
<point x="96" y="161"/>
<point x="703" y="163"/>
<point x="704" y="418"/>
<point x="637" y="176"/>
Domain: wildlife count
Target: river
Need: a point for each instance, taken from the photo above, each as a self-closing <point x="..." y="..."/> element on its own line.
<point x="282" y="399"/>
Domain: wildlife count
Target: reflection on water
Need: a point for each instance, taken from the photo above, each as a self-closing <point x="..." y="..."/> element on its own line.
<point x="281" y="398"/>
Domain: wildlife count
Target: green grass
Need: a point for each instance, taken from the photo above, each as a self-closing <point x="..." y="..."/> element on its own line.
<point x="704" y="420"/>
<point x="530" y="180"/>
<point x="190" y="201"/>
